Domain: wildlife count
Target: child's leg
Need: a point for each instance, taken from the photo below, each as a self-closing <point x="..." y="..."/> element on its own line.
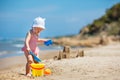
<point x="29" y="61"/>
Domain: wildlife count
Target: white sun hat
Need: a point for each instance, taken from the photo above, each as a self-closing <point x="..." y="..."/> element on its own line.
<point x="39" y="22"/>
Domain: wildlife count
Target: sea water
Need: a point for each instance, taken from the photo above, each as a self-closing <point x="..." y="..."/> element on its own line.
<point x="12" y="47"/>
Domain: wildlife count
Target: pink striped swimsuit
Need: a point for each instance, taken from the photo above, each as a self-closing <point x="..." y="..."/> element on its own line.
<point x="33" y="44"/>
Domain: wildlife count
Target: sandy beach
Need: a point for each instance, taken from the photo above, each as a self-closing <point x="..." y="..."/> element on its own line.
<point x="99" y="63"/>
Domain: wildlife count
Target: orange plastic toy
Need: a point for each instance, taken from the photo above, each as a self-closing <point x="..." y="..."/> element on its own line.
<point x="47" y="71"/>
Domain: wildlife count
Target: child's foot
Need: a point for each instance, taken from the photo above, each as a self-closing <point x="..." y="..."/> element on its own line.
<point x="28" y="75"/>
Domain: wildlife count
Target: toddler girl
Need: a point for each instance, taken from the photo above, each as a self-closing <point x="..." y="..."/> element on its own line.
<point x="31" y="42"/>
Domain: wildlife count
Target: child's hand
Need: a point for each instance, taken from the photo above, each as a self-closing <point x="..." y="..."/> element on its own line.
<point x="28" y="49"/>
<point x="48" y="42"/>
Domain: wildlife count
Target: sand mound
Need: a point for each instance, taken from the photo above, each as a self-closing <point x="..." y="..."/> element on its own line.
<point x="87" y="68"/>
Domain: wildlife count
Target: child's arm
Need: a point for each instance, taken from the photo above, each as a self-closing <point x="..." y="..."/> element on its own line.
<point x="46" y="42"/>
<point x="42" y="40"/>
<point x="28" y="36"/>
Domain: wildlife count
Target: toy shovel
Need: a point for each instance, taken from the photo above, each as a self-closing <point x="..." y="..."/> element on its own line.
<point x="34" y="56"/>
<point x="48" y="42"/>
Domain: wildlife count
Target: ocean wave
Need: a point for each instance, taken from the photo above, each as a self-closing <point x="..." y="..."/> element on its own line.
<point x="19" y="52"/>
<point x="18" y="45"/>
<point x="11" y="41"/>
<point x="3" y="52"/>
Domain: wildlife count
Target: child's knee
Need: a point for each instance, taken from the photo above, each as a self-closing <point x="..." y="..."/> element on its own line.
<point x="30" y="59"/>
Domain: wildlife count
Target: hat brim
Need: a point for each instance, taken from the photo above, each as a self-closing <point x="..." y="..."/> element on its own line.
<point x="40" y="26"/>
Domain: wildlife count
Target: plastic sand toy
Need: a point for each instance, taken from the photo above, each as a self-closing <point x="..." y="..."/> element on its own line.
<point x="47" y="71"/>
<point x="48" y="42"/>
<point x="37" y="69"/>
<point x="35" y="57"/>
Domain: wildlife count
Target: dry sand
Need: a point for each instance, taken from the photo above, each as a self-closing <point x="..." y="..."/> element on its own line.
<point x="99" y="63"/>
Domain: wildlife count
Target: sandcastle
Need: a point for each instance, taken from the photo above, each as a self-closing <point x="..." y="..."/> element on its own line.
<point x="66" y="53"/>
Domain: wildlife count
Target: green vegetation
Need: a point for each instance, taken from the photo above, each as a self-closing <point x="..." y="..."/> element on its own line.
<point x="108" y="23"/>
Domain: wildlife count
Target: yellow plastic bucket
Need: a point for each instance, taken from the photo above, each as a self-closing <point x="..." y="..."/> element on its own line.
<point x="37" y="69"/>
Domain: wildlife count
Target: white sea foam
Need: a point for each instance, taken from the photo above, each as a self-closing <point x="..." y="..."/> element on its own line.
<point x="19" y="52"/>
<point x="18" y="45"/>
<point x="3" y="52"/>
